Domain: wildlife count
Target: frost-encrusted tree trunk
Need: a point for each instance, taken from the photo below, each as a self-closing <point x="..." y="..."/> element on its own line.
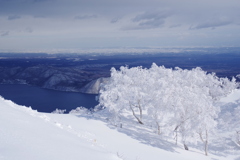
<point x="184" y="134"/>
<point x="176" y="135"/>
<point x="139" y="107"/>
<point x="184" y="127"/>
<point x="157" y="117"/>
<point x="207" y="125"/>
<point x="205" y="141"/>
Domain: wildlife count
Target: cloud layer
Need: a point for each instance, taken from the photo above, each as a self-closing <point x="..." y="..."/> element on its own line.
<point x="38" y="24"/>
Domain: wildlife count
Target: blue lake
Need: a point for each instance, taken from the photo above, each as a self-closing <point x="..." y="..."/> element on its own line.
<point x="45" y="100"/>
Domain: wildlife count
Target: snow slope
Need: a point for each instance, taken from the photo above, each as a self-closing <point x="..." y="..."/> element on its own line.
<point x="232" y="97"/>
<point x="28" y="134"/>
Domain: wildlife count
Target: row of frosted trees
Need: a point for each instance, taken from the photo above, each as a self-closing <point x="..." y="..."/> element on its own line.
<point x="174" y="100"/>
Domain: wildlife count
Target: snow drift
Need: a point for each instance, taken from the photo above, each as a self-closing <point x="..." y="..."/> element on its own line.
<point x="28" y="134"/>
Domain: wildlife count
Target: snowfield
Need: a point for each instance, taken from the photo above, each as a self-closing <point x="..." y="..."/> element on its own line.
<point x="28" y="134"/>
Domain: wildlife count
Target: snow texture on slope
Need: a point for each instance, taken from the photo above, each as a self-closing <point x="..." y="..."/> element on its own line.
<point x="28" y="134"/>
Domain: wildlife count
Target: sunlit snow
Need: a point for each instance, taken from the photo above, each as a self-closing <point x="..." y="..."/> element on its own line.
<point x="28" y="134"/>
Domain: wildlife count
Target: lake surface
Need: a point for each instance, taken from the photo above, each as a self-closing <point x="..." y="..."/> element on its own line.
<point x="45" y="100"/>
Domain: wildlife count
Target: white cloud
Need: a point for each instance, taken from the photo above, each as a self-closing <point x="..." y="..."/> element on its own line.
<point x="68" y="22"/>
<point x="213" y="23"/>
<point x="86" y="16"/>
<point x="28" y="29"/>
<point x="4" y="33"/>
<point x="13" y="17"/>
<point x="174" y="25"/>
<point x="151" y="19"/>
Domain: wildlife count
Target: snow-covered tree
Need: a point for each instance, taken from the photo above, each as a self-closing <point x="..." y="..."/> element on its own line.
<point x="59" y="111"/>
<point x="125" y="91"/>
<point x="81" y="111"/>
<point x="174" y="99"/>
<point x="160" y="88"/>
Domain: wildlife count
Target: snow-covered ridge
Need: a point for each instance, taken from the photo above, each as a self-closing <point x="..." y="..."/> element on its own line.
<point x="94" y="86"/>
<point x="28" y="134"/>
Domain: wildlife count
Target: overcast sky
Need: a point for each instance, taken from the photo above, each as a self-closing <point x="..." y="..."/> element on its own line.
<point x="73" y="24"/>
